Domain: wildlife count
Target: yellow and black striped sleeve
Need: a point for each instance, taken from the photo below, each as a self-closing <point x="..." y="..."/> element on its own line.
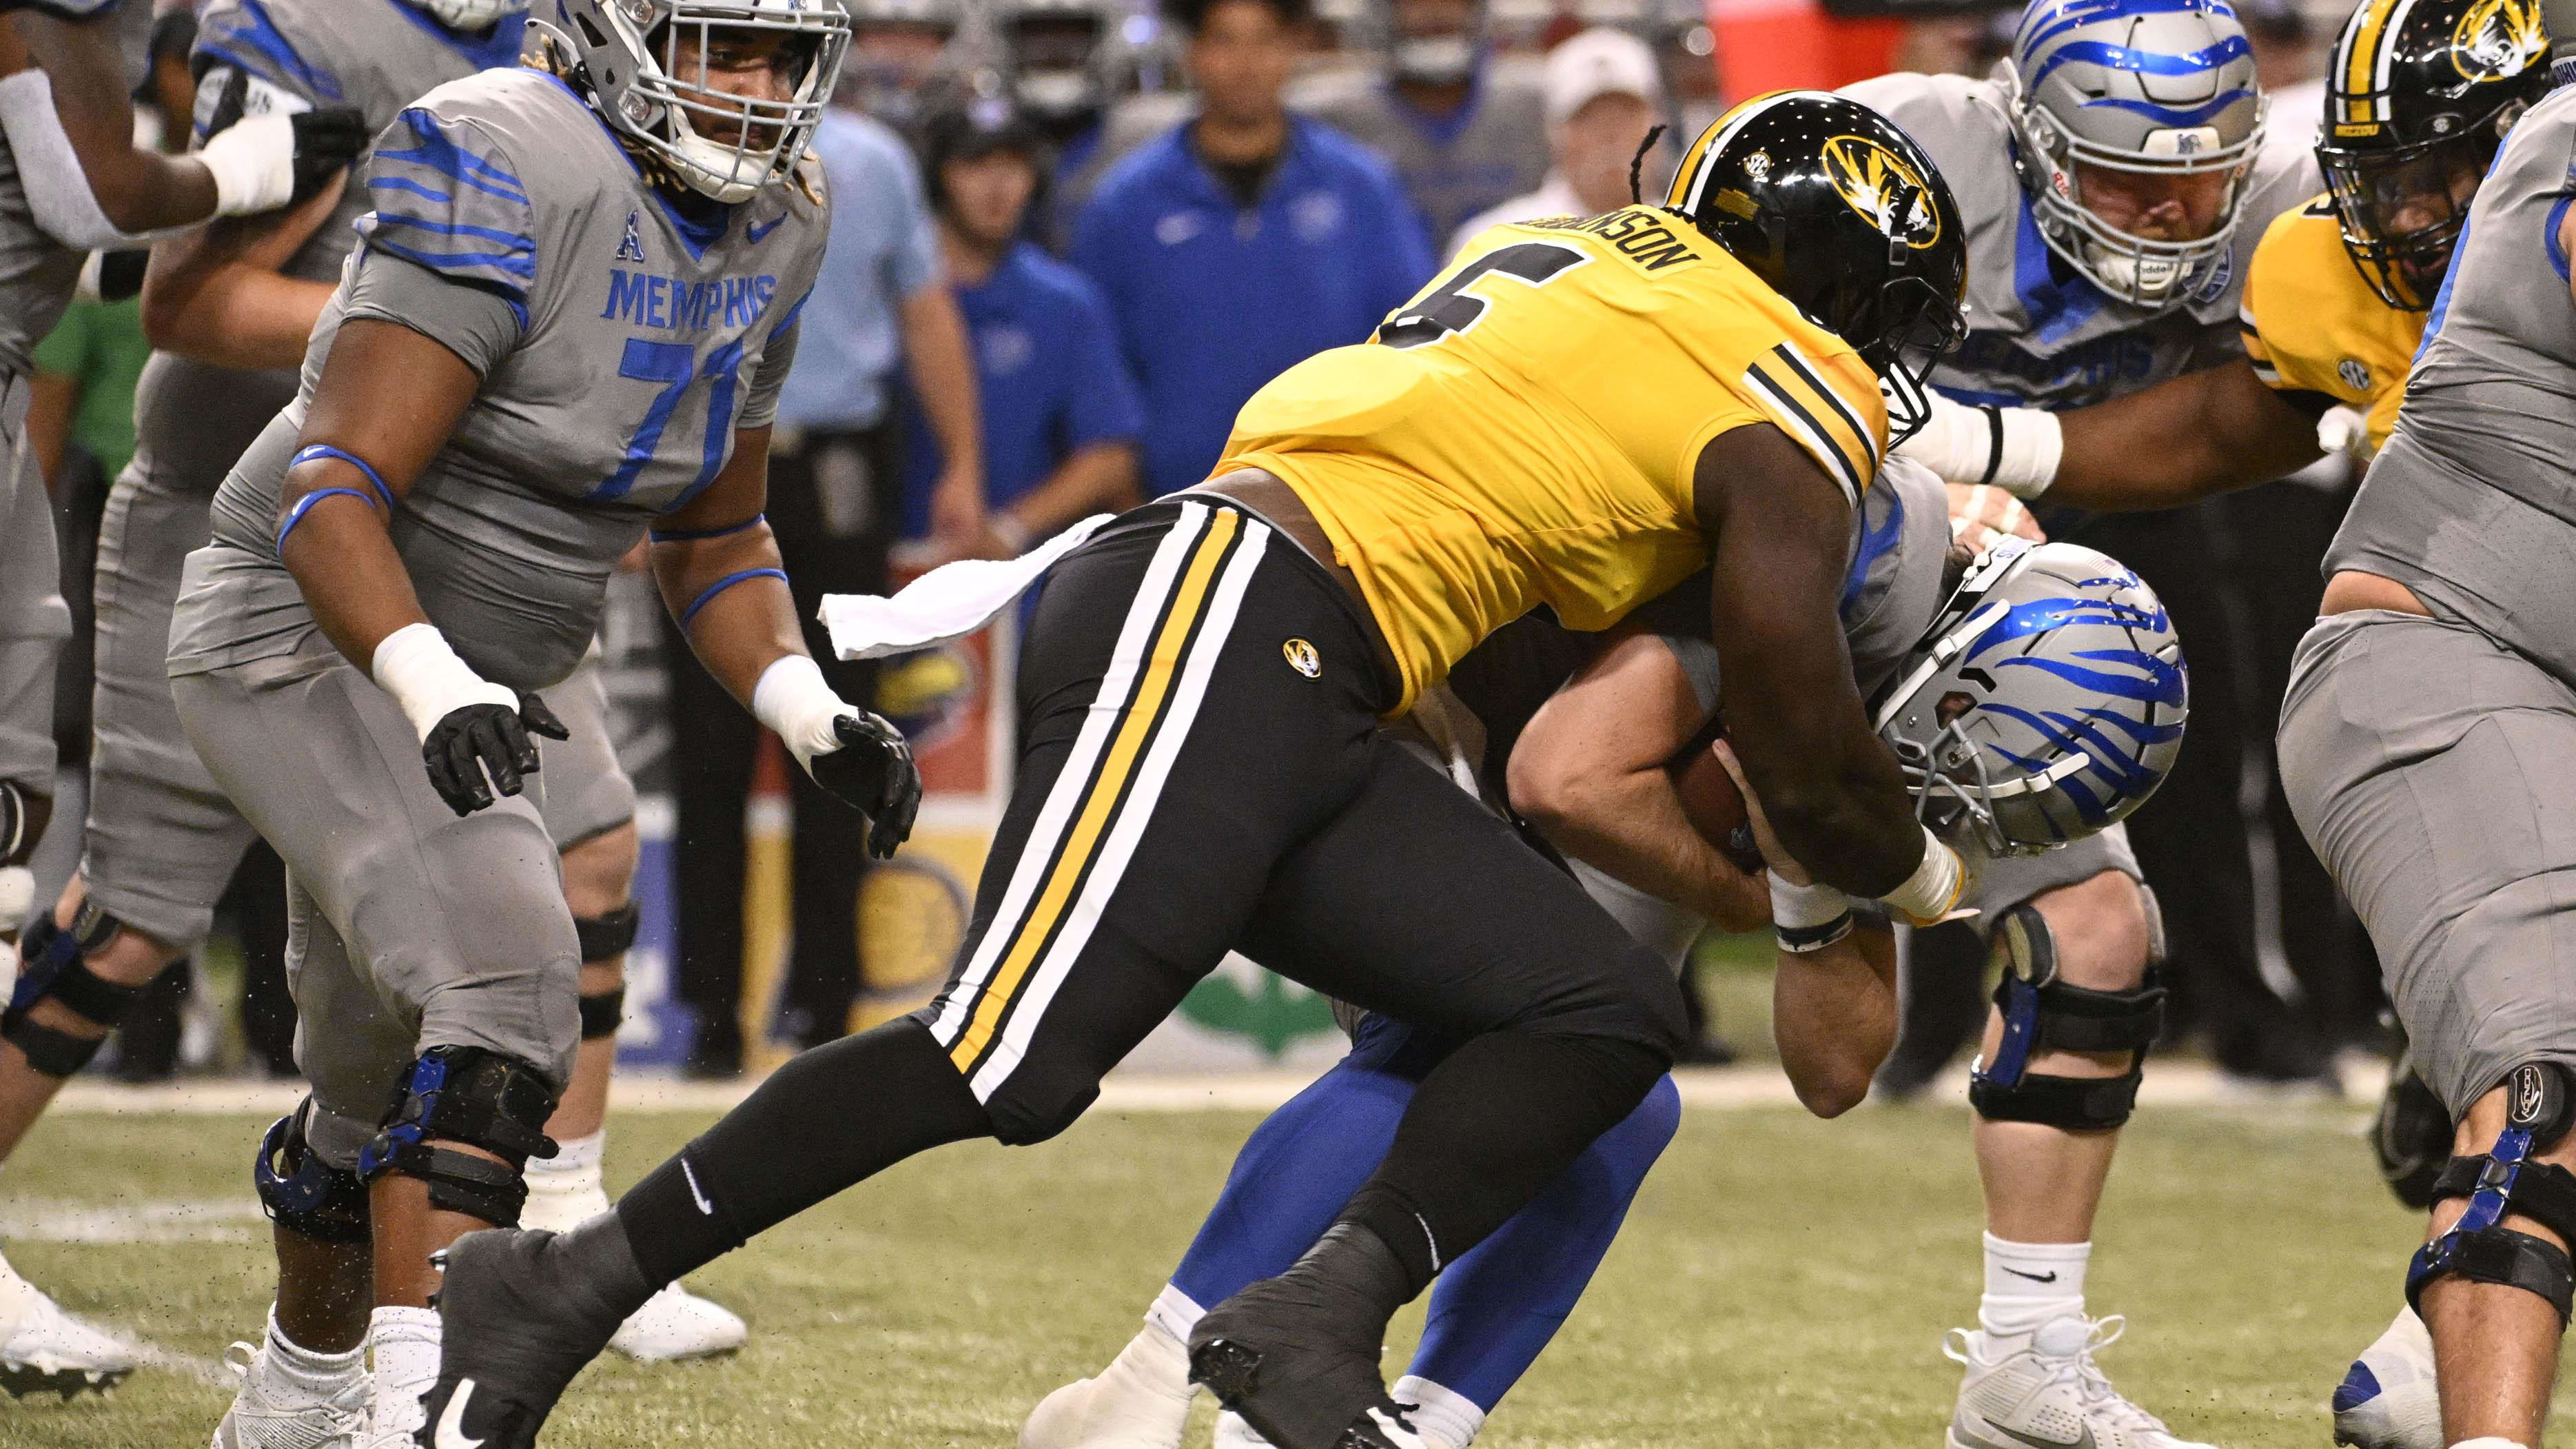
<point x="1826" y="408"/>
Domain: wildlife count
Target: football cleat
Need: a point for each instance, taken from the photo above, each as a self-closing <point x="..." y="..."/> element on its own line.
<point x="522" y="1312"/>
<point x="2043" y="1389"/>
<point x="45" y="1350"/>
<point x="1141" y="1401"/>
<point x="676" y="1323"/>
<point x="268" y="1412"/>
<point x="1296" y="1355"/>
<point x="2389" y="1399"/>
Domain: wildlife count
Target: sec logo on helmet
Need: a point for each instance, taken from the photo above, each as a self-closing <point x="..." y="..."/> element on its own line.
<point x="1880" y="186"/>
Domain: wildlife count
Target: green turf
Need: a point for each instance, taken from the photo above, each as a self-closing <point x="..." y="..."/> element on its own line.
<point x="1782" y="1282"/>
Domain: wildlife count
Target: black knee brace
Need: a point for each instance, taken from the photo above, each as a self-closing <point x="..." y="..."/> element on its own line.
<point x="609" y="935"/>
<point x="2540" y="1105"/>
<point x="2411" y="1135"/>
<point x="15" y="816"/>
<point x="477" y="1097"/>
<point x="51" y="969"/>
<point x="2042" y="1013"/>
<point x="601" y="1011"/>
<point x="301" y="1192"/>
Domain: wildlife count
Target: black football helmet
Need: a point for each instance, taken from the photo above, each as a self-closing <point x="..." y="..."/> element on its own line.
<point x="1840" y="212"/>
<point x="2419" y="94"/>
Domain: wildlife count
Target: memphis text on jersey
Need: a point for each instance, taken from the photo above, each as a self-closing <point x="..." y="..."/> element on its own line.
<point x="676" y="303"/>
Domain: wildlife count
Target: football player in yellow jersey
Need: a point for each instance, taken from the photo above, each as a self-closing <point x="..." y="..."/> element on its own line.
<point x="1576" y="415"/>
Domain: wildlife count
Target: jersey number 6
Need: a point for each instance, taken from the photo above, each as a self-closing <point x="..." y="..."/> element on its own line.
<point x="672" y="364"/>
<point x="1450" y="307"/>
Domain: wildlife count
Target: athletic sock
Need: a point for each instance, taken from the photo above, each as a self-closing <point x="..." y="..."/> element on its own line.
<point x="1487" y="1130"/>
<point x="567" y="1188"/>
<point x="1290" y="1181"/>
<point x="310" y="1372"/>
<point x="2028" y="1284"/>
<point x="833" y="1116"/>
<point x="403" y="1344"/>
<point x="1446" y="1420"/>
<point x="1175" y="1313"/>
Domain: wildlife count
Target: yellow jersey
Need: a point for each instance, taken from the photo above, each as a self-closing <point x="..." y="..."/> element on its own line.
<point x="1525" y="430"/>
<point x="2313" y="325"/>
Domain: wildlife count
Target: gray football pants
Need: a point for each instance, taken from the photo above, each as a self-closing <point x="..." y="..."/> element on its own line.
<point x="33" y="619"/>
<point x="2429" y="766"/>
<point x="409" y="927"/>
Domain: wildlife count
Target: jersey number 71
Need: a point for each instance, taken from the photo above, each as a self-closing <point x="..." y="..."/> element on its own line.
<point x="673" y="364"/>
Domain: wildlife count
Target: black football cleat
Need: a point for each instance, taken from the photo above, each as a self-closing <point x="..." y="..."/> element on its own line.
<point x="1297" y="1355"/>
<point x="520" y="1313"/>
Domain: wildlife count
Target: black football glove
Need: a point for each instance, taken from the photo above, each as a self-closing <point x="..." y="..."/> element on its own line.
<point x="327" y="138"/>
<point x="473" y="738"/>
<point x="873" y="771"/>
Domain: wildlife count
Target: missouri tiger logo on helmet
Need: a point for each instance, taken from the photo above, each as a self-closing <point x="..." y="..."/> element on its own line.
<point x="2498" y="39"/>
<point x="1881" y="187"/>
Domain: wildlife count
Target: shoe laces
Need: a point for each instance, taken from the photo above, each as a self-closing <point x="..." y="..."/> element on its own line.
<point x="2093" y="1387"/>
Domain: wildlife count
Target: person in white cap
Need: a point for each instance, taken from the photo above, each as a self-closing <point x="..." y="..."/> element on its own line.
<point x="1603" y="93"/>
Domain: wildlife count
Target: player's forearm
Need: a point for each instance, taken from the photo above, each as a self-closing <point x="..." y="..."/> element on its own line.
<point x="332" y="539"/>
<point x="1630" y="826"/>
<point x="2196" y="436"/>
<point x="943" y="377"/>
<point x="1833" y="1013"/>
<point x="729" y="594"/>
<point x="137" y="190"/>
<point x="216" y="295"/>
<point x="1098" y="479"/>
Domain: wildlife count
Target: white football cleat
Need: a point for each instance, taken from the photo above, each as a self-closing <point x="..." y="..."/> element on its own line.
<point x="1233" y="1433"/>
<point x="271" y="1412"/>
<point x="45" y="1350"/>
<point x="676" y="1323"/>
<point x="1141" y="1401"/>
<point x="2043" y="1391"/>
<point x="2389" y="1400"/>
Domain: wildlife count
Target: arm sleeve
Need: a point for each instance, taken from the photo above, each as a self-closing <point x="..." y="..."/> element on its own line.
<point x="761" y="408"/>
<point x="475" y="323"/>
<point x="448" y="200"/>
<point x="1104" y="406"/>
<point x="58" y="191"/>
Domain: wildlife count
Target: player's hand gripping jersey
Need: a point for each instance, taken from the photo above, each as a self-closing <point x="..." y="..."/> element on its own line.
<point x="2313" y="326"/>
<point x="617" y="339"/>
<point x="1524" y="432"/>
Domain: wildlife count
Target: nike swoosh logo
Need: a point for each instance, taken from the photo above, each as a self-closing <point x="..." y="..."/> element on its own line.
<point x="1397" y="1432"/>
<point x="451" y="1424"/>
<point x="2048" y="1277"/>
<point x="2083" y="1440"/>
<point x="759" y="233"/>
<point x="704" y="1206"/>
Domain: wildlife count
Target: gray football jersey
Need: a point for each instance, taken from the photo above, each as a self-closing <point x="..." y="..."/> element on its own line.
<point x="620" y="344"/>
<point x="193" y="419"/>
<point x="37" y="273"/>
<point x="1451" y="169"/>
<point x="2039" y="334"/>
<point x="2472" y="504"/>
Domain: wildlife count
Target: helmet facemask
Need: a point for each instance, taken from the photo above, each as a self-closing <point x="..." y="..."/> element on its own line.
<point x="2401" y="209"/>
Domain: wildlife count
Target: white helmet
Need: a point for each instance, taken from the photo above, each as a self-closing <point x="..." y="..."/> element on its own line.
<point x="471" y="14"/>
<point x="2044" y="704"/>
<point x="629" y="55"/>
<point x="2152" y="86"/>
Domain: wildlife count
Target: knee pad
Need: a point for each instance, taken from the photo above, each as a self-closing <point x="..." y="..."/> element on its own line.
<point x="608" y="935"/>
<point x="50" y="967"/>
<point x="477" y="1097"/>
<point x="16" y="814"/>
<point x="2540" y="1104"/>
<point x="2410" y="1136"/>
<point x="2042" y="1013"/>
<point x="601" y="1011"/>
<point x="301" y="1192"/>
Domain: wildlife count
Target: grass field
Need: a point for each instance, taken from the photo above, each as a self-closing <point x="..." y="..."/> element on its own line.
<point x="1782" y="1282"/>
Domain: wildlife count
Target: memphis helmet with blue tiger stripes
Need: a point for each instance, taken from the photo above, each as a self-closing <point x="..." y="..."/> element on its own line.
<point x="2155" y="86"/>
<point x="2046" y="702"/>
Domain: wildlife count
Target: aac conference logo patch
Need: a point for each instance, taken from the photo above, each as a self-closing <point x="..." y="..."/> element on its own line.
<point x="1881" y="187"/>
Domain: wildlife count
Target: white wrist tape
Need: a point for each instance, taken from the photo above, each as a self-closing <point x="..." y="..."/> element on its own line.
<point x="415" y="666"/>
<point x="1804" y="907"/>
<point x="792" y="699"/>
<point x="253" y="161"/>
<point x="2015" y="449"/>
<point x="17" y="895"/>
<point x="58" y="191"/>
<point x="1933" y="890"/>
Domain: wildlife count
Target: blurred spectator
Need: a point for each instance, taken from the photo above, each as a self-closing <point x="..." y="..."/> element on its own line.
<point x="896" y="48"/>
<point x="1240" y="242"/>
<point x="1060" y="415"/>
<point x="1462" y="132"/>
<point x="1056" y="51"/>
<point x="1602" y="97"/>
<point x="835" y="479"/>
<point x="1686" y="53"/>
<point x="2288" y="56"/>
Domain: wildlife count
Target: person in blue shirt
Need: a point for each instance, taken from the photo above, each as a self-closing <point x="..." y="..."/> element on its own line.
<point x="1060" y="414"/>
<point x="1243" y="241"/>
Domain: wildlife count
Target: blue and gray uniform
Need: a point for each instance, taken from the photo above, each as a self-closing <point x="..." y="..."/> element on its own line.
<point x="162" y="840"/>
<point x="2039" y="335"/>
<point x="621" y="345"/>
<point x="37" y="276"/>
<point x="2426" y="758"/>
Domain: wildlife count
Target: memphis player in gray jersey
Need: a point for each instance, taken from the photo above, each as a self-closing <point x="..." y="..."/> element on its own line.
<point x="72" y="180"/>
<point x="2423" y="740"/>
<point x="2113" y="186"/>
<point x="584" y="282"/>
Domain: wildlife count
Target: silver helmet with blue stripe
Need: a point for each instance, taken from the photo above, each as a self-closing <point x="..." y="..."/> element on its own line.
<point x="2044" y="704"/>
<point x="2112" y="102"/>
